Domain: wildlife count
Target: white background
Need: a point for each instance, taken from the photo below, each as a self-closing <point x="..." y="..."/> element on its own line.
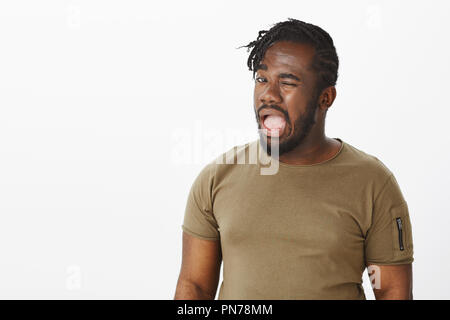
<point x="109" y="109"/>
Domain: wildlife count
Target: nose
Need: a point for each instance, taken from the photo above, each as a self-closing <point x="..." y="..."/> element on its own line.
<point x="270" y="95"/>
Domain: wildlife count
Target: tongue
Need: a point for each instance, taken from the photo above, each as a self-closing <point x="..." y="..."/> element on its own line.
<point x="275" y="123"/>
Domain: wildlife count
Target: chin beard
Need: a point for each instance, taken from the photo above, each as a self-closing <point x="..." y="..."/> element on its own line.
<point x="302" y="128"/>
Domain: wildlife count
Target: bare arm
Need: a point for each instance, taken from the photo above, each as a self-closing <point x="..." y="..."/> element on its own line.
<point x="200" y="269"/>
<point x="392" y="282"/>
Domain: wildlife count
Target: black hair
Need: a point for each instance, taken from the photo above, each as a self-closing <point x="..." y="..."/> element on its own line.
<point x="325" y="61"/>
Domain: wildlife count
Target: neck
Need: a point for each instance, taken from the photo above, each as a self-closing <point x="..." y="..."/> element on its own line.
<point x="315" y="148"/>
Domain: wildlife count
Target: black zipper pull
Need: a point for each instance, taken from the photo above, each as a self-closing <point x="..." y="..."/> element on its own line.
<point x="400" y="233"/>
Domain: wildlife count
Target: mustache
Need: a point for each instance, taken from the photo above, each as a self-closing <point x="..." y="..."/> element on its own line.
<point x="274" y="106"/>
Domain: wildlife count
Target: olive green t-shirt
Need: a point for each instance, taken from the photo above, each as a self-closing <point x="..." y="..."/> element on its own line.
<point x="305" y="232"/>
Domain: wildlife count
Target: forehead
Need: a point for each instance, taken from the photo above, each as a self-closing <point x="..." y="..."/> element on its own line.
<point x="297" y="57"/>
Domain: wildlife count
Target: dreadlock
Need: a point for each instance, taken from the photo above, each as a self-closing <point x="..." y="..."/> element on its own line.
<point x="325" y="61"/>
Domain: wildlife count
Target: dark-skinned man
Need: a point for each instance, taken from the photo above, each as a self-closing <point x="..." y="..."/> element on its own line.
<point x="330" y="210"/>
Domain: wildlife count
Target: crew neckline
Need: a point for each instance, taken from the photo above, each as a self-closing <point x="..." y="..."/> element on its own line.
<point x="313" y="164"/>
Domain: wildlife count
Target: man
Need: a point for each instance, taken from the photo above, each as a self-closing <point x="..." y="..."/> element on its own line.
<point x="329" y="212"/>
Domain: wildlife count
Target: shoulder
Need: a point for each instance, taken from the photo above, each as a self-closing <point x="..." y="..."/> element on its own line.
<point x="373" y="176"/>
<point x="366" y="164"/>
<point x="229" y="162"/>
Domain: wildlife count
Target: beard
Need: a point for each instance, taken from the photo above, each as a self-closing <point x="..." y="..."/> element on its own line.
<point x="302" y="127"/>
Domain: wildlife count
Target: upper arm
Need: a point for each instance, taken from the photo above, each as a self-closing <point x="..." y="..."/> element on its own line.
<point x="201" y="260"/>
<point x="389" y="244"/>
<point x="202" y="256"/>
<point x="389" y="240"/>
<point x="391" y="282"/>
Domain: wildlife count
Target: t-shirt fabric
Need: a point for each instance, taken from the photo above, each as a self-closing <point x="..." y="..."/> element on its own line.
<point x="305" y="232"/>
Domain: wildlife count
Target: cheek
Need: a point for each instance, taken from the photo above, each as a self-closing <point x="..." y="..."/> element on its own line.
<point x="295" y="104"/>
<point x="256" y="93"/>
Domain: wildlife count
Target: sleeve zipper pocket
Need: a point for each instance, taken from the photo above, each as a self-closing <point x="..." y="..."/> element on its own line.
<point x="400" y="233"/>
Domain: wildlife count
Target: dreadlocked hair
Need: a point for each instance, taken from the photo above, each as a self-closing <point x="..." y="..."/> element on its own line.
<point x="325" y="61"/>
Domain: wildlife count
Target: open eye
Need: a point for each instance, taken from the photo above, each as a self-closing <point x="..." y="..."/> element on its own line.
<point x="260" y="79"/>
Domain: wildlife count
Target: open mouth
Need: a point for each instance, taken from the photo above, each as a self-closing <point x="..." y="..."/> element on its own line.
<point x="275" y="124"/>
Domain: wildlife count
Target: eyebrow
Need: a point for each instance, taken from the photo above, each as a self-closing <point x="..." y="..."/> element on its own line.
<point x="289" y="76"/>
<point x="281" y="75"/>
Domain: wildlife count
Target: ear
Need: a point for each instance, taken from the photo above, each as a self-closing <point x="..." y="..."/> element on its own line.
<point x="327" y="98"/>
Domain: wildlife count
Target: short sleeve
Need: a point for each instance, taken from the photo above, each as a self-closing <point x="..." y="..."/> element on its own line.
<point x="389" y="239"/>
<point x="199" y="220"/>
